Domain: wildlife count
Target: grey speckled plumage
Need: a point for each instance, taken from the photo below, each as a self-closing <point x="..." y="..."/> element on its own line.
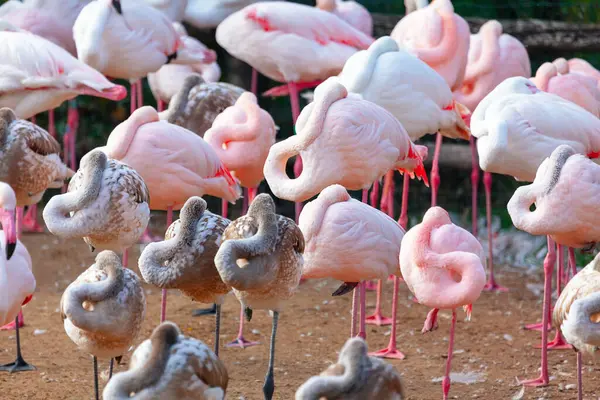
<point x="108" y="203"/>
<point x="268" y="248"/>
<point x="185" y="259"/>
<point x="355" y="376"/>
<point x="198" y="103"/>
<point x="170" y="366"/>
<point x="29" y="159"/>
<point x="558" y="160"/>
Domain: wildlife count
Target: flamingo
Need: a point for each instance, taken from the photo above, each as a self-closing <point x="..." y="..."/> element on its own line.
<point x="185" y="259"/>
<point x="493" y="57"/>
<point x="439" y="37"/>
<point x="170" y="365"/>
<point x="583" y="67"/>
<point x="108" y="205"/>
<point x="169" y="79"/>
<point x="17" y="283"/>
<point x="443" y="266"/>
<point x="576" y="314"/>
<point x="175" y="169"/>
<point x="269" y="247"/>
<point x="305" y="46"/>
<point x="174" y="9"/>
<point x="517" y="127"/>
<point x="351" y="241"/>
<point x="355" y="376"/>
<point x="350" y="11"/>
<point x="103" y="310"/>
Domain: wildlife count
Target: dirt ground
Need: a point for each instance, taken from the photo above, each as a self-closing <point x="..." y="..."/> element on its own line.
<point x="492" y="349"/>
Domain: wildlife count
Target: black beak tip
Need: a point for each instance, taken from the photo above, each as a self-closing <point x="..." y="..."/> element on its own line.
<point x="10" y="250"/>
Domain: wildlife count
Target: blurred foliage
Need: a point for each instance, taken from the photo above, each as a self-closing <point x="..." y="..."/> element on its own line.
<point x="99" y="117"/>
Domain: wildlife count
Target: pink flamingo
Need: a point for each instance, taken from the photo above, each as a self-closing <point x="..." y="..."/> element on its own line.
<point x="439" y="37"/>
<point x="517" y="127"/>
<point x="581" y="89"/>
<point x="363" y="241"/>
<point x="443" y="266"/>
<point x="305" y="45"/>
<point x="345" y="140"/>
<point x="169" y="79"/>
<point x="17" y="283"/>
<point x="175" y="169"/>
<point x="350" y="11"/>
<point x="493" y="57"/>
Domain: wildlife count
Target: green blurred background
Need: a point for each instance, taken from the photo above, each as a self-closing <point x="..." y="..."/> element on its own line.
<point x="99" y="117"/>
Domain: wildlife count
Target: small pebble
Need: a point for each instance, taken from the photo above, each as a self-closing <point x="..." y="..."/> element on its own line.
<point x="39" y="332"/>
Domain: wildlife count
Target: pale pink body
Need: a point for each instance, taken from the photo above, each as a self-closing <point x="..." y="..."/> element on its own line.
<point x="493" y="57"/>
<point x="442" y="264"/>
<point x="50" y="19"/>
<point x="348" y="240"/>
<point x="350" y="11"/>
<point x="342" y="139"/>
<point x="580" y="89"/>
<point x="175" y="163"/>
<point x="38" y="75"/>
<point x="565" y="193"/>
<point x="438" y="36"/>
<point x="583" y="67"/>
<point x="242" y="136"/>
<point x="167" y="81"/>
<point x="290" y="42"/>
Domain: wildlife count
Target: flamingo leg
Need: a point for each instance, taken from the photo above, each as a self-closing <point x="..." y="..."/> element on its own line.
<point x="549" y="262"/>
<point x="354" y="312"/>
<point x="435" y="170"/>
<point x="572" y="262"/>
<point x="474" y="185"/>
<point x="269" y="385"/>
<point x="295" y="103"/>
<point x="217" y="328"/>
<point x="163" y="300"/>
<point x="140" y="94"/>
<point x="110" y="368"/>
<point x="19" y="365"/>
<point x="30" y="221"/>
<point x="51" y="129"/>
<point x="254" y="82"/>
<point x="252" y="192"/>
<point x="133" y="97"/>
<point x="446" y="380"/>
<point x="160" y="105"/>
<point x="559" y="343"/>
<point x="96" y="386"/>
<point x="491" y="285"/>
<point x="579" y="377"/>
<point x="240" y="341"/>
<point x="224" y="208"/>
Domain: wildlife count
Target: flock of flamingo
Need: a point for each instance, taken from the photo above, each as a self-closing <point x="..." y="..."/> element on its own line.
<point x="373" y="99"/>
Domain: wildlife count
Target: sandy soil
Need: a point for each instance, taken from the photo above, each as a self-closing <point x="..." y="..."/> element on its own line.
<point x="492" y="348"/>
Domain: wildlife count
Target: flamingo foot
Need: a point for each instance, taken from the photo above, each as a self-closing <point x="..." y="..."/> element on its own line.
<point x="378" y="319"/>
<point x="536" y="327"/>
<point x="389" y="352"/>
<point x="541" y="381"/>
<point x="30" y="222"/>
<point x="370" y="286"/>
<point x="431" y="321"/>
<point x="283" y="90"/>
<point x="558" y="343"/>
<point x="492" y="286"/>
<point x="241" y="343"/>
<point x="12" y="326"/>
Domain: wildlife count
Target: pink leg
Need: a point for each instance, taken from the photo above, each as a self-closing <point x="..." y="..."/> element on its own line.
<point x="140" y="94"/>
<point x="377" y="318"/>
<point x="254" y="82"/>
<point x="579" y="377"/>
<point x="431" y="321"/>
<point x="558" y="343"/>
<point x="160" y="105"/>
<point x="163" y="300"/>
<point x="491" y="285"/>
<point x="474" y="185"/>
<point x="240" y="341"/>
<point x="133" y="97"/>
<point x="224" y="208"/>
<point x="354" y="312"/>
<point x="51" y="129"/>
<point x="371" y="286"/>
<point x="252" y="194"/>
<point x="30" y="221"/>
<point x="435" y="170"/>
<point x="392" y="351"/>
<point x="363" y="311"/>
<point x="295" y="103"/>
<point x="446" y="380"/>
<point x="125" y="258"/>
<point x="548" y="269"/>
<point x="572" y="262"/>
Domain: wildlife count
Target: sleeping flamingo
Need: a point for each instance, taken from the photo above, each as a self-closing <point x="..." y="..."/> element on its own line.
<point x="305" y="45"/>
<point x="174" y="163"/>
<point x="350" y="11"/>
<point x="439" y="37"/>
<point x="350" y="241"/>
<point x="170" y="365"/>
<point x="107" y="202"/>
<point x="517" y="127"/>
<point x="493" y="57"/>
<point x="185" y="259"/>
<point x="355" y="376"/>
<point x="103" y="310"/>
<point x="329" y="132"/>
<point x="577" y="314"/>
<point x="167" y="81"/>
<point x="269" y="248"/>
<point x="443" y="266"/>
<point x="17" y="283"/>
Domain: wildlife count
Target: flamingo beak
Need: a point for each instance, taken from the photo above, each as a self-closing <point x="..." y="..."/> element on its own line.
<point x="7" y="218"/>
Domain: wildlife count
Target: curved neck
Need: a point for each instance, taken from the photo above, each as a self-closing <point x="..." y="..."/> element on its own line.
<point x="489" y="52"/>
<point x="362" y="79"/>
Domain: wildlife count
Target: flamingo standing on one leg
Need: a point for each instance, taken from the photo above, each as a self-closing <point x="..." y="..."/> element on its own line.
<point x="443" y="266"/>
<point x="269" y="247"/>
<point x="305" y="46"/>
